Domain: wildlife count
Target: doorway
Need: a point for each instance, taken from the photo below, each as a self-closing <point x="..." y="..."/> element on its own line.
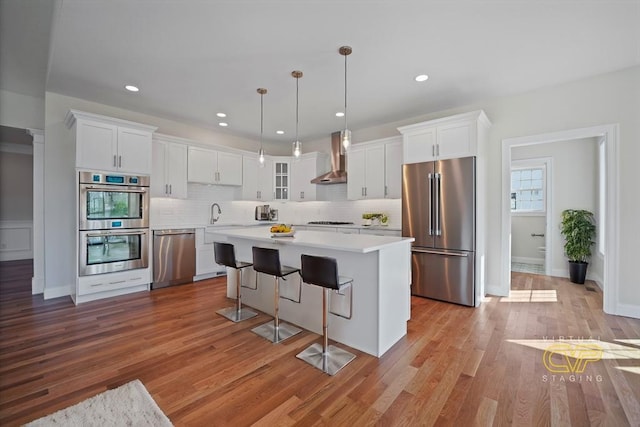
<point x="607" y="135"/>
<point x="531" y="204"/>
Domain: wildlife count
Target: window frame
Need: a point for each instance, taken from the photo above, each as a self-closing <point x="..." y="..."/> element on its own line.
<point x="520" y="165"/>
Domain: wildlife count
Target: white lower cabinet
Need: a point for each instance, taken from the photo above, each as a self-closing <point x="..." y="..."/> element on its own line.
<point x="206" y="265"/>
<point x="100" y="286"/>
<point x="381" y="232"/>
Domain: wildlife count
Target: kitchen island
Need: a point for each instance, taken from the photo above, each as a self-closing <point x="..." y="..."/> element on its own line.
<point x="379" y="265"/>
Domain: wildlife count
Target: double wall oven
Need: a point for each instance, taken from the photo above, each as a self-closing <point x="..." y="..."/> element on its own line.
<point x="113" y="222"/>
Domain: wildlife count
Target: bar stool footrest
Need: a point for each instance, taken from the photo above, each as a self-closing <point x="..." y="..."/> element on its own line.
<point x="234" y="315"/>
<point x="269" y="332"/>
<point x="329" y="363"/>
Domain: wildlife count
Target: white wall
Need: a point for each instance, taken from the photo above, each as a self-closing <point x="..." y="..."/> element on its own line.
<point x="524" y="247"/>
<point x="574" y="186"/>
<point x="21" y="111"/>
<point x="16" y="186"/>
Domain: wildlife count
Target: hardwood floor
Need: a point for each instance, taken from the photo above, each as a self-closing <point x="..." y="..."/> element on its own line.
<point x="456" y="366"/>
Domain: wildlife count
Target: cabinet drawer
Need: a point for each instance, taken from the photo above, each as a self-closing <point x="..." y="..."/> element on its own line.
<point x="109" y="282"/>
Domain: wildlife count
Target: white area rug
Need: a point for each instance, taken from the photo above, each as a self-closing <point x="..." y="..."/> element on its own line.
<point x="127" y="405"/>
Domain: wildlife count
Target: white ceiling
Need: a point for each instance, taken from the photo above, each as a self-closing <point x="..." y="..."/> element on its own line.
<point x="193" y="58"/>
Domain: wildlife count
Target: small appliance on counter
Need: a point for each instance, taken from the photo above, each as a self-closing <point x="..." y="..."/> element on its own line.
<point x="265" y="213"/>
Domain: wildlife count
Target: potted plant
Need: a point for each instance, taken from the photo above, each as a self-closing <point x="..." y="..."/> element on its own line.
<point x="578" y="229"/>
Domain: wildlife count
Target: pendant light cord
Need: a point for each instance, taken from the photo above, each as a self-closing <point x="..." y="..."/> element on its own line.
<point x="261" y="118"/>
<point x="345" y="91"/>
<point x="297" y="80"/>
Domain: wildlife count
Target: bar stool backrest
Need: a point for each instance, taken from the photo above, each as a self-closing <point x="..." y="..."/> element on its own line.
<point x="320" y="271"/>
<point x="267" y="261"/>
<point x="225" y="254"/>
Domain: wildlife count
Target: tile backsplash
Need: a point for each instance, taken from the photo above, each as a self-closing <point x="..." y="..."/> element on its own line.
<point x="196" y="210"/>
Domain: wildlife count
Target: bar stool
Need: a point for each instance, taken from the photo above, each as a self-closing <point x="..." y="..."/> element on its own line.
<point x="323" y="272"/>
<point x="267" y="261"/>
<point x="225" y="254"/>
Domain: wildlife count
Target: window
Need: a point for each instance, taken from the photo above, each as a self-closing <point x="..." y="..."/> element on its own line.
<point x="527" y="190"/>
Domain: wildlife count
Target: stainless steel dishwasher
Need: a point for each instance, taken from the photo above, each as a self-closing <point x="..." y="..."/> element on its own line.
<point x="174" y="257"/>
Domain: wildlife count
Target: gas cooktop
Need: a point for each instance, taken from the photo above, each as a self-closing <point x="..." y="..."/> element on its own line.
<point x="329" y="223"/>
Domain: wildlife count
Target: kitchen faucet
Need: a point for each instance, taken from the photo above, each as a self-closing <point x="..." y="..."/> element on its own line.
<point x="214" y="219"/>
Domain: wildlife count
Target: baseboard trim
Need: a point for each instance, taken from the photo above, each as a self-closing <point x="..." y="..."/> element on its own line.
<point x="527" y="260"/>
<point x="495" y="291"/>
<point x="628" y="310"/>
<point x="37" y="285"/>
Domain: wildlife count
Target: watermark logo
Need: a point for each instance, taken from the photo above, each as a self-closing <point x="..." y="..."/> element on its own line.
<point x="573" y="359"/>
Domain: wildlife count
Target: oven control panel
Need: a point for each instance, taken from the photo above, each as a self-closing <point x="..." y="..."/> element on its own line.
<point x="109" y="179"/>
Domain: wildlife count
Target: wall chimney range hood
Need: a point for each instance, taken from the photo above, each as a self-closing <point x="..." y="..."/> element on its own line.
<point x="338" y="174"/>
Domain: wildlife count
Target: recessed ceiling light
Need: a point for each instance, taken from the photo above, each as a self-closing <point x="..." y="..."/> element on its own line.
<point x="221" y="115"/>
<point x="223" y="124"/>
<point x="339" y="114"/>
<point x="131" y="88"/>
<point x="422" y="78"/>
<point x="280" y="132"/>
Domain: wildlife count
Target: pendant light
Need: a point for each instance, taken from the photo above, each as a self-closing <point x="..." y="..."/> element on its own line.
<point x="297" y="145"/>
<point x="345" y="135"/>
<point x="261" y="91"/>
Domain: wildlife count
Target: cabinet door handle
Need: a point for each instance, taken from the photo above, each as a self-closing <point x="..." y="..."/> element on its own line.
<point x="433" y="150"/>
<point x="385" y="191"/>
<point x="365" y="191"/>
<point x="170" y="189"/>
<point x="119" y="161"/>
<point x="258" y="194"/>
<point x="362" y="191"/>
<point x="114" y="161"/>
<point x="302" y="194"/>
<point x="166" y="189"/>
<point x="438" y="150"/>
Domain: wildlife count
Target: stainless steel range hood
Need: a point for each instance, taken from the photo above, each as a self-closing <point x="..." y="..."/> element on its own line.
<point x="338" y="174"/>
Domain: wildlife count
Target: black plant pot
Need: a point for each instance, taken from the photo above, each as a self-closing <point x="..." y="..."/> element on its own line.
<point x="578" y="271"/>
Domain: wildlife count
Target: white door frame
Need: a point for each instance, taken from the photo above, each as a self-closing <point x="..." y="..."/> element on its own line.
<point x="37" y="282"/>
<point x="610" y="133"/>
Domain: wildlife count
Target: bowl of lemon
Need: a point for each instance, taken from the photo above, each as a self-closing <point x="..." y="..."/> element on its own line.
<point x="282" y="230"/>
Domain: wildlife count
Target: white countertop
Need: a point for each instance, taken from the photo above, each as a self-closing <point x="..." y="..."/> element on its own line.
<point x="211" y="226"/>
<point x="357" y="226"/>
<point x="360" y="243"/>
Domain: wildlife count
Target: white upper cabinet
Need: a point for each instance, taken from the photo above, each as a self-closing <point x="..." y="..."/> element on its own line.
<point x="281" y="178"/>
<point x="169" y="168"/>
<point x="108" y="144"/>
<point x="257" y="181"/>
<point x="214" y="167"/>
<point x="303" y="170"/>
<point x="446" y="138"/>
<point x="393" y="168"/>
<point x="374" y="169"/>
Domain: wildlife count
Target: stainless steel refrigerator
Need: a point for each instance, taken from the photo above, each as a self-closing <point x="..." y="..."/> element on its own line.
<point x="439" y="211"/>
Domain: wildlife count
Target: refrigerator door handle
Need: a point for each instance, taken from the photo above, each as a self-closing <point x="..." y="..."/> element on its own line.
<point x="430" y="176"/>
<point x="435" y="252"/>
<point x="438" y="228"/>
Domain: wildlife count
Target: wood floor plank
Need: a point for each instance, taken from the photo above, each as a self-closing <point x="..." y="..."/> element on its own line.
<point x="456" y="366"/>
